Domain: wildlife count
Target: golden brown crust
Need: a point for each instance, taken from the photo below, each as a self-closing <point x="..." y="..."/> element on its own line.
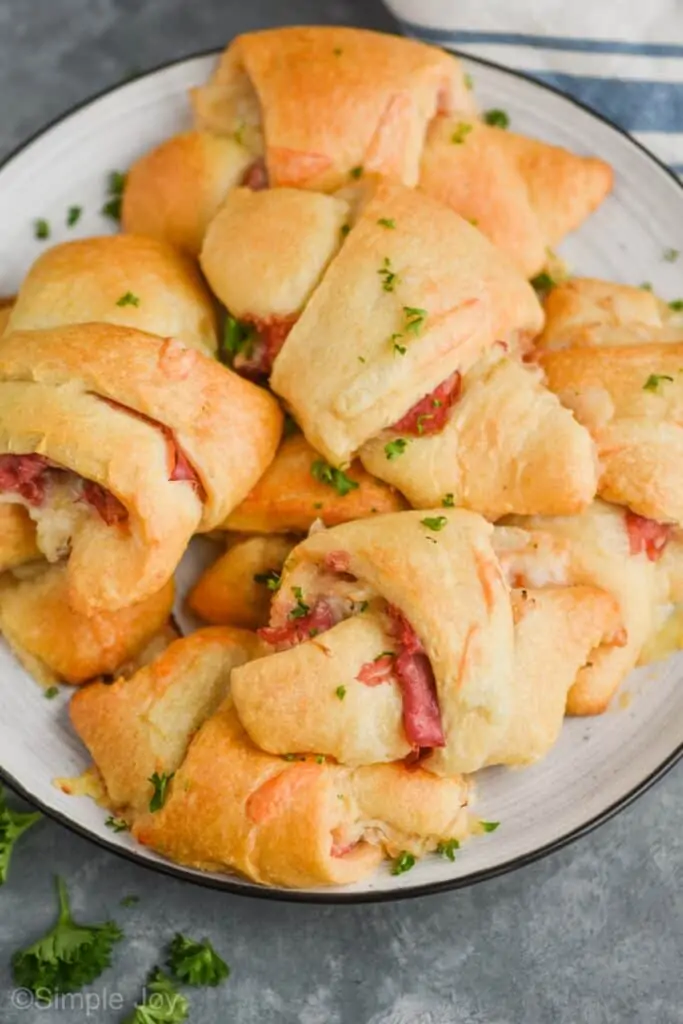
<point x="339" y="370"/>
<point x="577" y="306"/>
<point x="6" y="305"/>
<point x="173" y="191"/>
<point x="322" y="100"/>
<point x="17" y="537"/>
<point x="118" y="279"/>
<point x="228" y="593"/>
<point x="524" y="195"/>
<point x="265" y="252"/>
<point x="40" y="626"/>
<point x="289" y="499"/>
<point x="508" y="446"/>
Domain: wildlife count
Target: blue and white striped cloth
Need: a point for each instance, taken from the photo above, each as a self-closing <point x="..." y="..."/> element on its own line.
<point x="624" y="58"/>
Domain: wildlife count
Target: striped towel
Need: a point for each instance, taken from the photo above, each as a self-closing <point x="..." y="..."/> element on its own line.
<point x="624" y="58"/>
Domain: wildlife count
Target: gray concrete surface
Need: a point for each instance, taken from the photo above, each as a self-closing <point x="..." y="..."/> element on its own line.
<point x="591" y="935"/>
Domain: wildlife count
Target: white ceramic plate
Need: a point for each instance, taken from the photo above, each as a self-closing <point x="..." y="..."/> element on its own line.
<point x="600" y="764"/>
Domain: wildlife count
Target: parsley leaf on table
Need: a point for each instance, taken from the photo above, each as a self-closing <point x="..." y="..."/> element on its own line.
<point x="196" y="963"/>
<point x="13" y="824"/>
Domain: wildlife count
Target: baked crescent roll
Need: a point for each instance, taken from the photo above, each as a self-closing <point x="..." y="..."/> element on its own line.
<point x="76" y="402"/>
<point x="5" y="312"/>
<point x="320" y="104"/>
<point x="399" y="313"/>
<point x="523" y="194"/>
<point x="236" y="590"/>
<point x="299" y="487"/>
<point x="17" y="537"/>
<point x="393" y="635"/>
<point x="173" y="191"/>
<point x="57" y="644"/>
<point x="611" y="358"/>
<point x="613" y="550"/>
<point x="229" y="805"/>
<point x="507" y="446"/>
<point x="118" y="279"/>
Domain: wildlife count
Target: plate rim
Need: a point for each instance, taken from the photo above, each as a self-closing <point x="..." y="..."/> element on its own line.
<point x="250" y="890"/>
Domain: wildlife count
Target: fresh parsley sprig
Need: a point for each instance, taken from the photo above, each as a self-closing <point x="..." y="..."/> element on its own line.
<point x="13" y="824"/>
<point x="337" y="478"/>
<point x="162" y="1004"/>
<point x="196" y="963"/>
<point x="160" y="781"/>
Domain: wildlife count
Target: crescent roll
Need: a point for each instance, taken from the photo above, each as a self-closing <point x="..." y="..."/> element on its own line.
<point x="231" y="806"/>
<point x="118" y="279"/>
<point x="391" y="635"/>
<point x="17" y="537"/>
<point x="611" y="357"/>
<point x="76" y="402"/>
<point x="321" y="104"/>
<point x="400" y="311"/>
<point x="173" y="191"/>
<point x="615" y="551"/>
<point x="5" y="312"/>
<point x="523" y="194"/>
<point x="57" y="644"/>
<point x="299" y="487"/>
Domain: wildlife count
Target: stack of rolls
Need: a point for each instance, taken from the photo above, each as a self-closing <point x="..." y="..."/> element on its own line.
<point x="466" y="528"/>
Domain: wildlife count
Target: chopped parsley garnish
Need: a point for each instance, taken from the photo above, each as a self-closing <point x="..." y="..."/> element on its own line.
<point x="389" y="277"/>
<point x="320" y="759"/>
<point x="671" y="255"/>
<point x="404" y="862"/>
<point x="489" y="826"/>
<point x="68" y="957"/>
<point x="73" y="215"/>
<point x="387" y="222"/>
<point x="13" y="824"/>
<point x="361" y="359"/>
<point x="115" y="187"/>
<point x="270" y="578"/>
<point x="301" y="608"/>
<point x="238" y="339"/>
<point x="116" y="824"/>
<point x="363" y="606"/>
<point x="160" y="781"/>
<point x="653" y="381"/>
<point x="129" y="901"/>
<point x="340" y="692"/>
<point x="461" y="132"/>
<point x="543" y="282"/>
<point x="333" y="477"/>
<point x="51" y="692"/>
<point x="415" y="319"/>
<point x="497" y="118"/>
<point x="398" y="348"/>
<point x="447" y="848"/>
<point x="448" y="501"/>
<point x="646" y="286"/>
<point x="128" y="300"/>
<point x="676" y="305"/>
<point x="41" y="229"/>
<point x="163" y="1004"/>
<point x="435" y="523"/>
<point x="344" y="230"/>
<point x="393" y="449"/>
<point x="421" y="420"/>
<point x="356" y="172"/>
<point x="469" y="81"/>
<point x="385" y="654"/>
<point x="196" y="963"/>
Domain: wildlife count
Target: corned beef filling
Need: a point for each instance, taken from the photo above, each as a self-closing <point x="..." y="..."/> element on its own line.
<point x="256" y="176"/>
<point x="429" y="415"/>
<point x="29" y="476"/>
<point x="647" y="535"/>
<point x="266" y="337"/>
<point x="408" y="663"/>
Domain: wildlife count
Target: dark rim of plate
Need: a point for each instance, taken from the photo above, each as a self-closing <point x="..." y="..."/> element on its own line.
<point x="248" y="889"/>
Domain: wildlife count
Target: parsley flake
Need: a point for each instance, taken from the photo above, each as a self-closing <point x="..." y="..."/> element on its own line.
<point x="344" y="230"/>
<point x="238" y="339"/>
<point x="301" y="608"/>
<point x="128" y="300"/>
<point x="340" y="692"/>
<point x="270" y="578"/>
<point x="404" y="862"/>
<point x="115" y="186"/>
<point x="333" y="477"/>
<point x="448" y="500"/>
<point x="160" y="781"/>
<point x="543" y="282"/>
<point x="389" y="277"/>
<point x="385" y="654"/>
<point x="293" y="757"/>
<point x="41" y="229"/>
<point x="653" y="381"/>
<point x="676" y="305"/>
<point x="671" y="255"/>
<point x="447" y="849"/>
<point x="73" y="215"/>
<point x="363" y="606"/>
<point x="387" y="222"/>
<point x="415" y="319"/>
<point x="356" y="172"/>
<point x="461" y="132"/>
<point x="489" y="826"/>
<point x="129" y="901"/>
<point x="393" y="449"/>
<point x="116" y="824"/>
<point x="51" y="692"/>
<point x="497" y="118"/>
<point x="435" y="523"/>
<point x="196" y="963"/>
<point x="646" y="286"/>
